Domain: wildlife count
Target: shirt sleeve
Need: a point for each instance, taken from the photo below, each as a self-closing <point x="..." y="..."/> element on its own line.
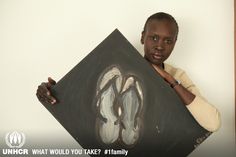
<point x="204" y="113"/>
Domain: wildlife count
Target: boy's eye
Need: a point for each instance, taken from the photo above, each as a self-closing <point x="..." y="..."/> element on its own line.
<point x="168" y="41"/>
<point x="154" y="38"/>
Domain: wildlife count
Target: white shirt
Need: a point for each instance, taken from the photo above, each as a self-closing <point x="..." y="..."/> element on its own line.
<point x="204" y="113"/>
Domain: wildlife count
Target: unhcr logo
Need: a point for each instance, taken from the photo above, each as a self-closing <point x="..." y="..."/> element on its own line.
<point x="15" y="139"/>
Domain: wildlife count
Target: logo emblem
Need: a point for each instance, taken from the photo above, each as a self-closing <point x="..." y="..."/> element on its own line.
<point x="15" y="139"/>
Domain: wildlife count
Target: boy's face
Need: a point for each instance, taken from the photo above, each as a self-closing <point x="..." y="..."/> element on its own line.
<point x="159" y="39"/>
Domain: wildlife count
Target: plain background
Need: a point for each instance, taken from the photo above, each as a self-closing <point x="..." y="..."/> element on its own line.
<point x="41" y="38"/>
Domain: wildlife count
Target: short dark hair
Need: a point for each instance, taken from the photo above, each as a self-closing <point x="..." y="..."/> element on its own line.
<point x="162" y="16"/>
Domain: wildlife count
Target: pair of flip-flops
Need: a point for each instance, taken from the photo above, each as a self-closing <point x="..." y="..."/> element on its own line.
<point x="119" y="103"/>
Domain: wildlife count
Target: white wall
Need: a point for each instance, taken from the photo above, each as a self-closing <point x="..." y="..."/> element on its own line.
<point x="41" y="38"/>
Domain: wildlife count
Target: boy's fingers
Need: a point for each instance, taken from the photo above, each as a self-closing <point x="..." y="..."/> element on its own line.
<point x="51" y="81"/>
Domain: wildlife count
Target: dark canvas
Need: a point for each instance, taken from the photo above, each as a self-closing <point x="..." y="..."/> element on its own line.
<point x="167" y="127"/>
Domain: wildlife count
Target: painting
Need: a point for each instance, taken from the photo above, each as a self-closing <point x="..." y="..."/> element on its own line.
<point x="114" y="99"/>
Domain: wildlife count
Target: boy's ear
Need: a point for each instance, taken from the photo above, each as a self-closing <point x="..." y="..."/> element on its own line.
<point x="142" y="37"/>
